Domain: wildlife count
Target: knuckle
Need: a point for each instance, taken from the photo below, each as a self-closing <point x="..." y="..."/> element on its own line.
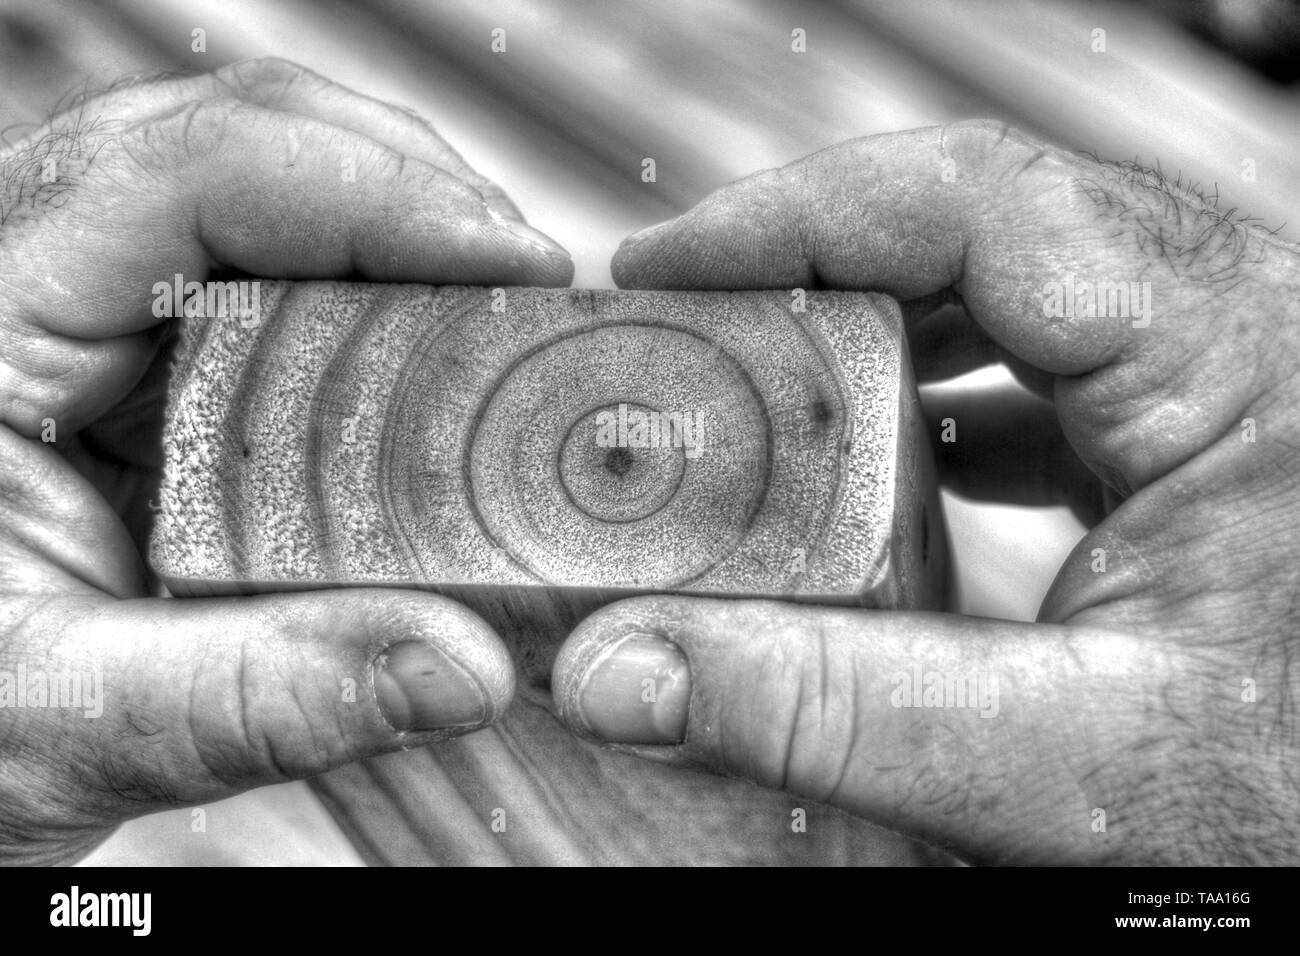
<point x="981" y="135"/>
<point x="188" y="133"/>
<point x="771" y="702"/>
<point x="788" y="742"/>
<point x="992" y="130"/>
<point x="204" y="127"/>
<point x="264" y="728"/>
<point x="990" y="145"/>
<point x="801" y="698"/>
<point x="823" y="724"/>
<point x="256" y="75"/>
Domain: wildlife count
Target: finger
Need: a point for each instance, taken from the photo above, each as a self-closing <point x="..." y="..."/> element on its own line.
<point x="281" y="85"/>
<point x="260" y="191"/>
<point x="210" y="184"/>
<point x="879" y="213"/>
<point x="190" y="701"/>
<point x="56" y="534"/>
<point x="1011" y="225"/>
<point x="132" y="99"/>
<point x="997" y="741"/>
<point x="275" y="84"/>
<point x="53" y="384"/>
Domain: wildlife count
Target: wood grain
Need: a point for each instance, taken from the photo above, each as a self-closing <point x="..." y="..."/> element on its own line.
<point x="458" y="438"/>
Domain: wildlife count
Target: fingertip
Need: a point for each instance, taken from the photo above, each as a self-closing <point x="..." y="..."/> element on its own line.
<point x="726" y="243"/>
<point x="534" y="238"/>
<point x="628" y="264"/>
<point x="624" y="272"/>
<point x="550" y="271"/>
<point x="513" y="252"/>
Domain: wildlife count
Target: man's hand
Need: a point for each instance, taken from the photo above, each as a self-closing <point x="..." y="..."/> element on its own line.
<point x="247" y="169"/>
<point x="1150" y="715"/>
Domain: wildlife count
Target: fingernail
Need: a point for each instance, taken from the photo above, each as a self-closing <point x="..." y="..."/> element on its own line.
<point x="637" y="692"/>
<point x="421" y="688"/>
<point x="540" y="240"/>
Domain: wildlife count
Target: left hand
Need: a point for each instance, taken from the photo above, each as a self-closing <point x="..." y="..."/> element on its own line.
<point x="180" y="702"/>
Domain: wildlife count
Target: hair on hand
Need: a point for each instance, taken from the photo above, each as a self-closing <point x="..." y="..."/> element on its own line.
<point x="39" y="170"/>
<point x="1175" y="221"/>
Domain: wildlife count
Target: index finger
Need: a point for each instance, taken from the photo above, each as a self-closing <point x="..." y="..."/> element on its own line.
<point x="222" y="182"/>
<point x="1164" y="321"/>
<point x="973" y="207"/>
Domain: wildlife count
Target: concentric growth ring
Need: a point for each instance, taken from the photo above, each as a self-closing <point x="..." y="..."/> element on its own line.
<point x="586" y="439"/>
<point x="617" y="482"/>
<point x="604" y="455"/>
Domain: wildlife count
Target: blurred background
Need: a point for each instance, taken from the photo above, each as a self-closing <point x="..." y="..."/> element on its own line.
<point x="712" y="90"/>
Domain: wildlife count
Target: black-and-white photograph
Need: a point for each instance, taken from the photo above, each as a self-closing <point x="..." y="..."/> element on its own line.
<point x="692" y="433"/>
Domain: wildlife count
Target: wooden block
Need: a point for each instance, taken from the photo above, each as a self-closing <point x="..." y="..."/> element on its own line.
<point x="416" y="436"/>
<point x="560" y="446"/>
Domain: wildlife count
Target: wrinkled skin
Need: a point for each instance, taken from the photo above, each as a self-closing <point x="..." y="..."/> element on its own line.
<point x="240" y="170"/>
<point x="1127" y="696"/>
<point x="1156" y="688"/>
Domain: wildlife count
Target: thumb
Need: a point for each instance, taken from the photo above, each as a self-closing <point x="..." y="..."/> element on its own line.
<point x="995" y="740"/>
<point x="193" y="700"/>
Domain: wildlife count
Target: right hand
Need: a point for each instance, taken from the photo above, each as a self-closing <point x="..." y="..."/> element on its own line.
<point x="1154" y="695"/>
